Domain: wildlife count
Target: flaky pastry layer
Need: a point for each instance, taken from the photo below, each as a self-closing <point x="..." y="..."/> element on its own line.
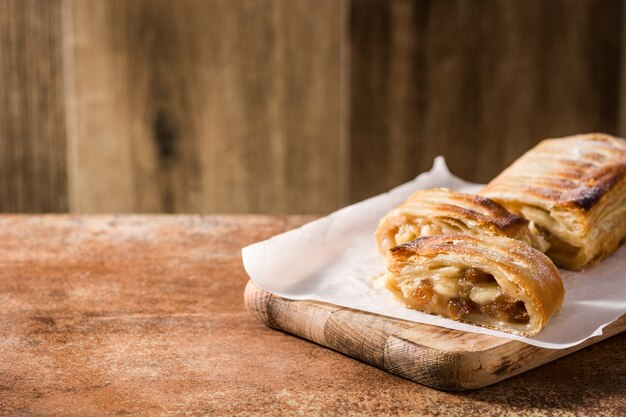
<point x="574" y="190"/>
<point x="440" y="211"/>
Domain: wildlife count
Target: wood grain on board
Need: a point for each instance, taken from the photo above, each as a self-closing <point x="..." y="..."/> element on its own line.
<point x="213" y="106"/>
<point x="434" y="356"/>
<point x="478" y="82"/>
<point x="33" y="176"/>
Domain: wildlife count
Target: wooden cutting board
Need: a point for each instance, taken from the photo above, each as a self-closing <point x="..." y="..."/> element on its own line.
<point x="434" y="356"/>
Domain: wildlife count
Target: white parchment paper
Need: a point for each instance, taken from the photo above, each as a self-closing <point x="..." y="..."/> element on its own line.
<point x="335" y="260"/>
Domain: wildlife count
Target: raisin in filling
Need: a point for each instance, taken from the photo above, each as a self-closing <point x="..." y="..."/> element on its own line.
<point x="502" y="308"/>
<point x="506" y="308"/>
<point x="476" y="276"/>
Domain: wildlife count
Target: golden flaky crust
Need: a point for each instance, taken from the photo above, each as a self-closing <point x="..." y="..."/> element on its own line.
<point x="522" y="273"/>
<point x="442" y="211"/>
<point x="574" y="189"/>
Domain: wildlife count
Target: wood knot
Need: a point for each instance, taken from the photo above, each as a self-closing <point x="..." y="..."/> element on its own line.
<point x="166" y="133"/>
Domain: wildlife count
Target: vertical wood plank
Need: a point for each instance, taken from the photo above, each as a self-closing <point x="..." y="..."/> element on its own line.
<point x="101" y="176"/>
<point x="32" y="117"/>
<point x="212" y="106"/>
<point x="478" y="82"/>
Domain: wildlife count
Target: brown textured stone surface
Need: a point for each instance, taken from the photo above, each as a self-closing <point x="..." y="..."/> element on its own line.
<point x="143" y="315"/>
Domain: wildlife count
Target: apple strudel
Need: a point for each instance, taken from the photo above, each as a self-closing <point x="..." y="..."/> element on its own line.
<point x="494" y="282"/>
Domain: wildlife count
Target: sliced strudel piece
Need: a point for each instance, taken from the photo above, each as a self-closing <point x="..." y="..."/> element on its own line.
<point x="494" y="282"/>
<point x="441" y="211"/>
<point x="574" y="190"/>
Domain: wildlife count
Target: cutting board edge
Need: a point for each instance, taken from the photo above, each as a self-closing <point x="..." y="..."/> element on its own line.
<point x="453" y="370"/>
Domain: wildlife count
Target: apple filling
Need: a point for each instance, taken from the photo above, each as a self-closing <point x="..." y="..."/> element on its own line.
<point x="419" y="228"/>
<point x="458" y="294"/>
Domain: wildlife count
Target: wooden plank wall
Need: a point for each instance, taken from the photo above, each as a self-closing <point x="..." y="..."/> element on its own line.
<point x="33" y="175"/>
<point x="206" y="106"/>
<point x="287" y="106"/>
<point x="479" y="82"/>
